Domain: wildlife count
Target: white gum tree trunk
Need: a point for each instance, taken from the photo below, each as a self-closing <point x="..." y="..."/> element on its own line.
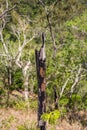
<point x="26" y="75"/>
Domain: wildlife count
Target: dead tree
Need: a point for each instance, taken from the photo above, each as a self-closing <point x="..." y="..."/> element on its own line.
<point x="41" y="68"/>
<point x="55" y="97"/>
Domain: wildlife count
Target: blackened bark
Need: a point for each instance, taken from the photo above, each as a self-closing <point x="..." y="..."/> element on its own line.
<point x="41" y="68"/>
<point x="55" y="98"/>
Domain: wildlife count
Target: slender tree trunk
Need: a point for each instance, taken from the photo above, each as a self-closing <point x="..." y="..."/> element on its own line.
<point x="9" y="73"/>
<point x="40" y="66"/>
<point x="25" y="75"/>
<point x="26" y="87"/>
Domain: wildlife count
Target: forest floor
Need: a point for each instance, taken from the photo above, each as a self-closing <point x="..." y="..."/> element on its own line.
<point x="16" y="118"/>
<point x="11" y="119"/>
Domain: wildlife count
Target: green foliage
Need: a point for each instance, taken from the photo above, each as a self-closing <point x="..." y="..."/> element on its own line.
<point x="63" y="111"/>
<point x="51" y="117"/>
<point x="7" y="122"/>
<point x="21" y="127"/>
<point x="76" y="98"/>
<point x="12" y="103"/>
<point x="77" y="22"/>
<point x="85" y="103"/>
<point x="63" y="101"/>
<point x="21" y="105"/>
<point x="33" y="104"/>
<point x="18" y="79"/>
<point x="2" y="91"/>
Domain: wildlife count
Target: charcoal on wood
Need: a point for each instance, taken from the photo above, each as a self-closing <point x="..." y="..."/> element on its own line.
<point x="41" y="69"/>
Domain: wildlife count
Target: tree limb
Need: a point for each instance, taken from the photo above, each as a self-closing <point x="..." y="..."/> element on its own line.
<point x="4" y="55"/>
<point x="6" y="11"/>
<point x="61" y="93"/>
<point x="50" y="26"/>
<point x="26" y="68"/>
<point x="18" y="56"/>
<point x="76" y="79"/>
<point x="3" y="42"/>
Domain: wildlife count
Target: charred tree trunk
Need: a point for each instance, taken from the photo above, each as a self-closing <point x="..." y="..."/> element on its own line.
<point x="55" y="98"/>
<point x="41" y="68"/>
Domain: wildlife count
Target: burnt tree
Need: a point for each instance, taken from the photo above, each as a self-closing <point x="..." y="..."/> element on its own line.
<point x="55" y="98"/>
<point x="41" y="68"/>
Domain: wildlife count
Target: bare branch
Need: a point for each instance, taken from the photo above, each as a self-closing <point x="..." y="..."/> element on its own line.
<point x="24" y="44"/>
<point x="6" y="11"/>
<point x="82" y="31"/>
<point x="43" y="4"/>
<point x="18" y="56"/>
<point x="17" y="61"/>
<point x="6" y="4"/>
<point x="3" y="42"/>
<point x="4" y="55"/>
<point x="26" y="67"/>
<point x="16" y="32"/>
<point x="64" y="86"/>
<point x="76" y="79"/>
<point x="50" y="26"/>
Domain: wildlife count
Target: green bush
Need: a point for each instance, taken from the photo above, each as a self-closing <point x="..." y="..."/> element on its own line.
<point x="51" y="117"/>
<point x="2" y="91"/>
<point x="17" y="80"/>
<point x="76" y="98"/>
<point x="63" y="101"/>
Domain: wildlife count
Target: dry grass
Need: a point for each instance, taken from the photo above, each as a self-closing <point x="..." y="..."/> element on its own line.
<point x="10" y="119"/>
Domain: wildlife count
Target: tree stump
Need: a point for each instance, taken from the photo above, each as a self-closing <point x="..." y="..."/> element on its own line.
<point x="41" y="68"/>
